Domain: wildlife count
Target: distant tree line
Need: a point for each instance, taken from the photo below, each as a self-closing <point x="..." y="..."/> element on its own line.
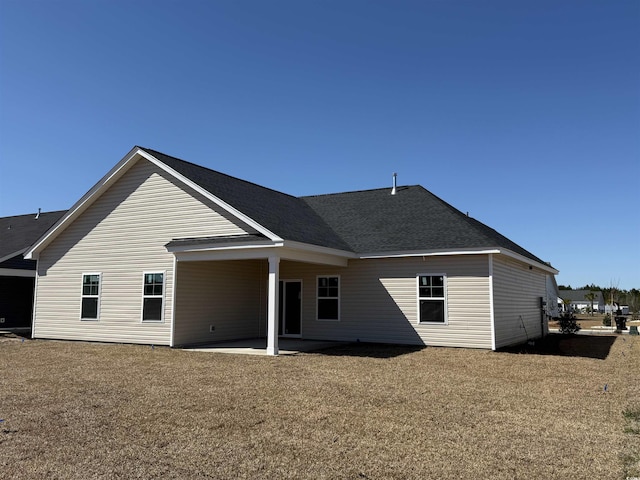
<point x="620" y="296"/>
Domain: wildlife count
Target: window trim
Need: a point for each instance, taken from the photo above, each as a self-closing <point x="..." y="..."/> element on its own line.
<point x="338" y="298"/>
<point x="445" y="283"/>
<point x="83" y="296"/>
<point x="164" y="291"/>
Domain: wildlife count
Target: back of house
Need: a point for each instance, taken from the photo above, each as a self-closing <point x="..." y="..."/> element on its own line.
<point x="167" y="252"/>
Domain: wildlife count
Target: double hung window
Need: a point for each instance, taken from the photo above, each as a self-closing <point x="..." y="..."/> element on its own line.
<point x="90" y="303"/>
<point x="432" y="296"/>
<point x="152" y="297"/>
<point x="328" y="306"/>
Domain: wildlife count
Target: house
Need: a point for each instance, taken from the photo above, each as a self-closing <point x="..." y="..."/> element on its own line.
<point x="163" y="251"/>
<point x="577" y="300"/>
<point x="17" y="275"/>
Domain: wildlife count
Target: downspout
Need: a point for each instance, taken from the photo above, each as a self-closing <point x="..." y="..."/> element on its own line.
<point x="491" y="307"/>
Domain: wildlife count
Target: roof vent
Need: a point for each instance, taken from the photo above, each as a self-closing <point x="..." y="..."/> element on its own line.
<point x="38" y="215"/>
<point x="393" y="190"/>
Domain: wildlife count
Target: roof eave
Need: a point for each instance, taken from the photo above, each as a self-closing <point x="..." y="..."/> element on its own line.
<point x="469" y="251"/>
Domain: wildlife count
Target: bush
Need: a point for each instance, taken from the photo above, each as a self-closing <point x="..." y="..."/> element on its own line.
<point x="606" y="321"/>
<point x="568" y="323"/>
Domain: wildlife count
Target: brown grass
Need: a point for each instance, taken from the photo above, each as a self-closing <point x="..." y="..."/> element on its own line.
<point x="81" y="410"/>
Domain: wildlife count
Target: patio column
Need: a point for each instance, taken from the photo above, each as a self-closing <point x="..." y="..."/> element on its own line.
<point x="272" y="306"/>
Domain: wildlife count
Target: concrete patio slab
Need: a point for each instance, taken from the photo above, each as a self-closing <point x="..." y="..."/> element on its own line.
<point x="258" y="346"/>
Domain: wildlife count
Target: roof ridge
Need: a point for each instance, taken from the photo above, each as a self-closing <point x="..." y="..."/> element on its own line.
<point x="366" y="190"/>
<point x="33" y="214"/>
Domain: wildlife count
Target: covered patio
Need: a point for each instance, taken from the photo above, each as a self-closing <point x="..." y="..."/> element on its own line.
<point x="230" y="288"/>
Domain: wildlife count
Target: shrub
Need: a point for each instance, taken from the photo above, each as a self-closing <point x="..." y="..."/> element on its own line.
<point x="568" y="323"/>
<point x="606" y="321"/>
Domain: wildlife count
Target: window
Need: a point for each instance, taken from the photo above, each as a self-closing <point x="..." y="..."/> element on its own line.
<point x="328" y="307"/>
<point x="90" y="296"/>
<point x="152" y="297"/>
<point x="432" y="298"/>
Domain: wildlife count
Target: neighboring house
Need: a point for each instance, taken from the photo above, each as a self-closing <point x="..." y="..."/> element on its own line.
<point x="576" y="300"/>
<point x="166" y="252"/>
<point x="17" y="275"/>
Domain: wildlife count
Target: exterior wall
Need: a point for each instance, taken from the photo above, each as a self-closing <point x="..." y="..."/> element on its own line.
<point x="228" y="295"/>
<point x="516" y="294"/>
<point x="121" y="235"/>
<point x="379" y="301"/>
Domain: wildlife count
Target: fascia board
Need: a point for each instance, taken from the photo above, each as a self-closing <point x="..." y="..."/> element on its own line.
<point x="427" y="253"/>
<point x="256" y="251"/>
<point x="212" y="247"/>
<point x="528" y="261"/>
<point x="221" y="203"/>
<point x="81" y="205"/>
<point x="319" y="249"/>
<point x="435" y="253"/>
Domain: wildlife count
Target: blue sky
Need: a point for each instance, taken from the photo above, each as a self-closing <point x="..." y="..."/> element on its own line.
<point x="524" y="113"/>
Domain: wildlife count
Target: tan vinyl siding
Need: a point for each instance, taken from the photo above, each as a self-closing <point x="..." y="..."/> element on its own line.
<point x="379" y="301"/>
<point x="229" y="295"/>
<point x="121" y="235"/>
<point x="516" y="295"/>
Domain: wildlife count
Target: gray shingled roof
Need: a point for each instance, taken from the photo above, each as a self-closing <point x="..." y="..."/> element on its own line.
<point x="371" y="221"/>
<point x="412" y="219"/>
<point x="579" y="295"/>
<point x="21" y="231"/>
<point x="282" y="214"/>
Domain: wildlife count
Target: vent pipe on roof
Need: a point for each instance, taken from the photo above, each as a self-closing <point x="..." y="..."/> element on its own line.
<point x="393" y="190"/>
<point x="38" y="215"/>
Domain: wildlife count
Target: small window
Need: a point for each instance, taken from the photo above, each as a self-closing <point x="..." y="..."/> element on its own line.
<point x="90" y="296"/>
<point x="432" y="298"/>
<point x="328" y="306"/>
<point x="152" y="297"/>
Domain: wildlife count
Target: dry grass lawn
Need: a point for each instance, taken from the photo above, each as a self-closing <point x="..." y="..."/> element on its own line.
<point x="82" y="410"/>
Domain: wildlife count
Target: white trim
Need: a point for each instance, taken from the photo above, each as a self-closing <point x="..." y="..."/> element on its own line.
<point x="427" y="253"/>
<point x="221" y="203"/>
<point x="471" y="251"/>
<point x="206" y="247"/>
<point x="17" y="272"/>
<point x="272" y="305"/>
<point x="35" y="304"/>
<point x="98" y="296"/>
<point x="246" y="252"/>
<point x="164" y="294"/>
<point x="308" y="247"/>
<point x="444" y="299"/>
<point x="111" y="177"/>
<point x="11" y="255"/>
<point x="173" y="300"/>
<point x="492" y="314"/>
<point x="339" y="298"/>
<point x="81" y="205"/>
<point x="542" y="266"/>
